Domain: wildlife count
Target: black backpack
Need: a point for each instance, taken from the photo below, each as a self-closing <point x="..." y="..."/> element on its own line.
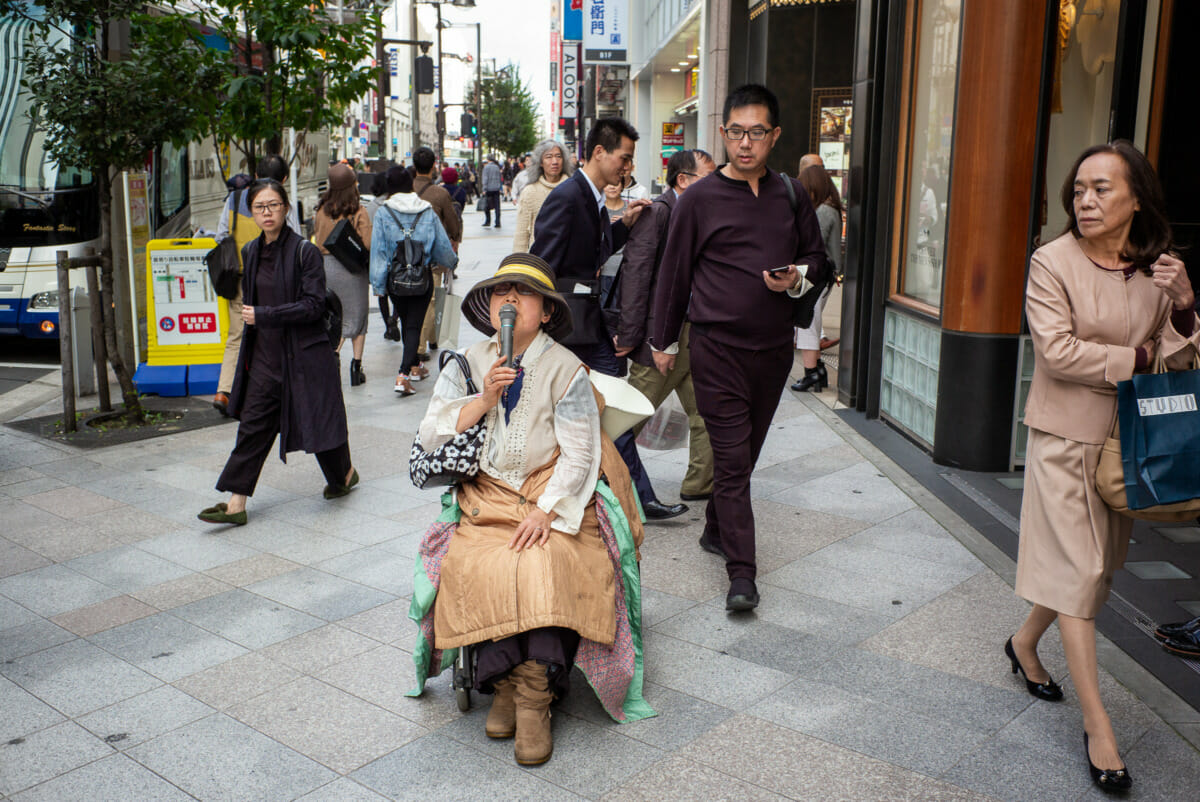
<point x="407" y="273"/>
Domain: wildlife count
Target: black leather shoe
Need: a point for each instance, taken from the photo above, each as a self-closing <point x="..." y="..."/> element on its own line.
<point x="712" y="545"/>
<point x="696" y="496"/>
<point x="1108" y="780"/>
<point x="657" y="511"/>
<point x="1183" y="646"/>
<point x="1177" y="631"/>
<point x="742" y="596"/>
<point x="1047" y="691"/>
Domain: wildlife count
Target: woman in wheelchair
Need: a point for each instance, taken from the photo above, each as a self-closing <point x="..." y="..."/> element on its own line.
<point x="533" y="563"/>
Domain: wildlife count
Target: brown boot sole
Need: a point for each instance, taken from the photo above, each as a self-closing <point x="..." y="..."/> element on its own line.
<point x="536" y="762"/>
<point x="500" y="736"/>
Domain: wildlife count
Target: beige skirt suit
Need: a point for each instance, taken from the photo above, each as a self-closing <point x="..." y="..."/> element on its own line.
<point x="1086" y="324"/>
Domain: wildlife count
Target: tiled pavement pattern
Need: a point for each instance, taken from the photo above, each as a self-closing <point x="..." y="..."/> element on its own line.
<point x="146" y="655"/>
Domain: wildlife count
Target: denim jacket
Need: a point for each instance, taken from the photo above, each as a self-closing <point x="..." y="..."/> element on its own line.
<point x="386" y="234"/>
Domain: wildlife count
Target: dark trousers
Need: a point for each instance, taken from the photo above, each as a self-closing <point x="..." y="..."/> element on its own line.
<point x="257" y="432"/>
<point x="411" y="311"/>
<point x="493" y="202"/>
<point x="737" y="391"/>
<point x="602" y="357"/>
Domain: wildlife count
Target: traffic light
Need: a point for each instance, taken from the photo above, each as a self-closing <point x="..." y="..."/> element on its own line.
<point x="423" y="73"/>
<point x="467" y="124"/>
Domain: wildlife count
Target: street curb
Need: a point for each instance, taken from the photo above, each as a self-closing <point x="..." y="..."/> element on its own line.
<point x="1164" y="702"/>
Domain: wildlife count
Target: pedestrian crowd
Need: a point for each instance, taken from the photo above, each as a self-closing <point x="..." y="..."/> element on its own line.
<point x="705" y="292"/>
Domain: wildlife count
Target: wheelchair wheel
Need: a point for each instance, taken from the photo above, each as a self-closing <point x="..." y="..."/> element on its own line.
<point x="463" y="697"/>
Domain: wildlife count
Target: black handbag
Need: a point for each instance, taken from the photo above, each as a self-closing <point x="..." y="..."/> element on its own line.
<point x="806" y="305"/>
<point x="456" y="460"/>
<point x="346" y="246"/>
<point x="224" y="268"/>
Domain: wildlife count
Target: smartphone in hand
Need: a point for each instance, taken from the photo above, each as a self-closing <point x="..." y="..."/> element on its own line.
<point x="776" y="272"/>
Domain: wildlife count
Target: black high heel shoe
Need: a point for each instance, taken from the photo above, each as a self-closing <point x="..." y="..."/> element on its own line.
<point x="815" y="380"/>
<point x="1109" y="780"/>
<point x="357" y="376"/>
<point x="1047" y="691"/>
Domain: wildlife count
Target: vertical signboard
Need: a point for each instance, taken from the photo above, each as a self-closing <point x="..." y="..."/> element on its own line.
<point x="572" y="20"/>
<point x="606" y="31"/>
<point x="569" y="90"/>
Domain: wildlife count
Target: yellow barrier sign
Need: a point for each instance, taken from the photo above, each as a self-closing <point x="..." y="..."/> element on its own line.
<point x="188" y="321"/>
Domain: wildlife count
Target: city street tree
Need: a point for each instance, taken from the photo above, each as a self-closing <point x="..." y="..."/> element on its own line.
<point x="104" y="101"/>
<point x="292" y="66"/>
<point x="508" y="122"/>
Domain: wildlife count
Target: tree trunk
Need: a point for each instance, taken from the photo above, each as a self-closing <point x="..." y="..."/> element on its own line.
<point x="129" y="393"/>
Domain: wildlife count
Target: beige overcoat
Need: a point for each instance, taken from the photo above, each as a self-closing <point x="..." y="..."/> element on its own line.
<point x="1086" y="324"/>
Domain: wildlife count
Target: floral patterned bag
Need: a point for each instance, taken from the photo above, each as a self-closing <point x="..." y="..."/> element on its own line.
<point x="456" y="460"/>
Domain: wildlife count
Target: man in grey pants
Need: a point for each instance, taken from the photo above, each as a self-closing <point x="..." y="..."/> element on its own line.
<point x="493" y="182"/>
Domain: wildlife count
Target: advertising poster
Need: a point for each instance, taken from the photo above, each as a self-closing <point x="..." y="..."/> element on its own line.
<point x="833" y="120"/>
<point x="672" y="143"/>
<point x="606" y="31"/>
<point x="572" y="20"/>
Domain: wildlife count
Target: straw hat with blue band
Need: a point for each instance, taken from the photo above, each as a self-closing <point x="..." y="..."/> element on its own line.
<point x="530" y="271"/>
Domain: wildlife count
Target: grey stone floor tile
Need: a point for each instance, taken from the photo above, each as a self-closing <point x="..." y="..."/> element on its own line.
<point x="103" y="615"/>
<point x="865" y="559"/>
<point x="710" y="675"/>
<point x="376" y="567"/>
<point x="1016" y="771"/>
<point x="14" y="475"/>
<point x="59" y="540"/>
<point x="251" y="569"/>
<point x="319" y="648"/>
<point x="681" y="718"/>
<point x="891" y="595"/>
<point x="922" y="690"/>
<point x="859" y="491"/>
<point x="179" y="592"/>
<point x="14" y="615"/>
<point x="916" y="534"/>
<point x="236" y="680"/>
<point x="342" y="789"/>
<point x="31" y="487"/>
<point x="78" y="677"/>
<point x="72" y="502"/>
<point x="802" y="767"/>
<point x="32" y="637"/>
<point x="46" y="754"/>
<point x="128" y="568"/>
<point x="680" y="779"/>
<point x="1162" y="765"/>
<point x="292" y="542"/>
<point x="658" y="606"/>
<point x="54" y="589"/>
<point x="326" y="724"/>
<point x="195" y="550"/>
<point x="74" y="470"/>
<point x="384" y="623"/>
<point x="247" y="618"/>
<point x="115" y="777"/>
<point x="131" y="526"/>
<point x="166" y="646"/>
<point x="673" y="563"/>
<point x="17" y="559"/>
<point x="384" y="675"/>
<point x="813" y="615"/>
<point x="23" y="713"/>
<point x="917" y="742"/>
<point x="436" y="768"/>
<point x="318" y="593"/>
<point x="239" y="764"/>
<point x="140" y="718"/>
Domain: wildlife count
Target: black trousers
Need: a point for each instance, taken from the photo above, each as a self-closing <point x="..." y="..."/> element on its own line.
<point x="493" y="202"/>
<point x="411" y="311"/>
<point x="737" y="391"/>
<point x="256" y="435"/>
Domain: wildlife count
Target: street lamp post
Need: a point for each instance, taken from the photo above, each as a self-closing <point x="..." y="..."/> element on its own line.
<point x="441" y="112"/>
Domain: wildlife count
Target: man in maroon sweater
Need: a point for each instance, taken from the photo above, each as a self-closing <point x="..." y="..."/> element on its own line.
<point x="736" y="258"/>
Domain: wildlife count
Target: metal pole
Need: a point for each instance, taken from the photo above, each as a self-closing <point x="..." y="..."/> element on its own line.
<point x="441" y="112"/>
<point x="99" y="349"/>
<point x="416" y="96"/>
<point x="384" y="76"/>
<point x="64" y="340"/>
<point x="478" y="107"/>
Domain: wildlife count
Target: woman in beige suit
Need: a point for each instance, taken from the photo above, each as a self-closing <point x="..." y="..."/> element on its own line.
<point x="1101" y="300"/>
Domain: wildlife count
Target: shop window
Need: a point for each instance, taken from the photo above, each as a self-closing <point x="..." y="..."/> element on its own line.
<point x="931" y="79"/>
<point x="908" y="392"/>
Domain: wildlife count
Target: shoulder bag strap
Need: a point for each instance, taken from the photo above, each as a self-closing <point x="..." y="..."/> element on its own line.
<point x="463" y="366"/>
<point x="237" y="211"/>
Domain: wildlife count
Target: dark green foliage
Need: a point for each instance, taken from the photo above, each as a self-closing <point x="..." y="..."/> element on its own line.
<point x="508" y="123"/>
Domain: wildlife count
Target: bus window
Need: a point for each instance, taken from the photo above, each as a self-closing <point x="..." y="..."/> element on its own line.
<point x="172" y="183"/>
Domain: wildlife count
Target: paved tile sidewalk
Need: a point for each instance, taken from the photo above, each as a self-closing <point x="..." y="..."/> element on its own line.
<point x="147" y="655"/>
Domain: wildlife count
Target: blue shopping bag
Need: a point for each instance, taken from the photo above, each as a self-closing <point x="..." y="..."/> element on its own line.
<point x="1160" y="437"/>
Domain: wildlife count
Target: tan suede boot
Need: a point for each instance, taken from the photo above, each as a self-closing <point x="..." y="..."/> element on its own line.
<point x="502" y="718"/>
<point x="534" y="743"/>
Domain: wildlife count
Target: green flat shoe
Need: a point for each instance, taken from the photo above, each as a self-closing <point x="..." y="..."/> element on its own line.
<point x="337" y="491"/>
<point x="219" y="514"/>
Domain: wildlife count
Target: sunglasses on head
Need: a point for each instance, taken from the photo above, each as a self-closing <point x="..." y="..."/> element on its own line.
<point x="504" y="286"/>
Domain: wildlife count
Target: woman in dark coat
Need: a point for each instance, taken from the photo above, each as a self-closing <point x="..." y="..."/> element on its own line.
<point x="287" y="379"/>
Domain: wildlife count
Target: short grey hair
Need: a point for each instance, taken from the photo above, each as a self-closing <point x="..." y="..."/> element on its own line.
<point x="533" y="170"/>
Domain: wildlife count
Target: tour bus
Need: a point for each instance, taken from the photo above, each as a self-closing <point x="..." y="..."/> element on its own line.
<point x="45" y="208"/>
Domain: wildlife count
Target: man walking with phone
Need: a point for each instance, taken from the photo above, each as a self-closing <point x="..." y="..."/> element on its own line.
<point x="737" y="255"/>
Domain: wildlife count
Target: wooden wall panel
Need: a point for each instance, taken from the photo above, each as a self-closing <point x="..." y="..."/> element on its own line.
<point x="995" y="141"/>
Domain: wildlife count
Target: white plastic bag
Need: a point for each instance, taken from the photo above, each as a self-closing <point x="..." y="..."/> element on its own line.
<point x="667" y="428"/>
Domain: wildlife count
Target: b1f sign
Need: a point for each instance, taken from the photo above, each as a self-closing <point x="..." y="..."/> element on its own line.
<point x="606" y="31"/>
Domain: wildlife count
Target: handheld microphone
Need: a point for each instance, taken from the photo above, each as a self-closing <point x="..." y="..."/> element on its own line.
<point x="508" y="317"/>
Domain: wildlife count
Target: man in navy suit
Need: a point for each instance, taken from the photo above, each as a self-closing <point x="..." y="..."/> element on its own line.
<point x="574" y="234"/>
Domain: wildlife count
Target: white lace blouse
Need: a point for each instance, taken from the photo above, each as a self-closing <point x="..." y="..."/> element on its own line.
<point x="556" y="411"/>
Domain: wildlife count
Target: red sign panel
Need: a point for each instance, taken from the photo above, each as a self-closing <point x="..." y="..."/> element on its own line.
<point x="198" y="323"/>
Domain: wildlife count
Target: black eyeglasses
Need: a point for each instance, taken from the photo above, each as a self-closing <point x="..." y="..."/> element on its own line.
<point x="504" y="287"/>
<point x="735" y="134"/>
<point x="693" y="175"/>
